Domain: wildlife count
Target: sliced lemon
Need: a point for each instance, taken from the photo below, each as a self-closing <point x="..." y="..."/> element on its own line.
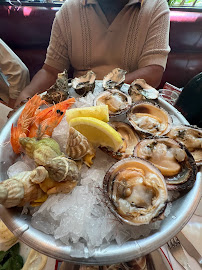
<point x="97" y="132"/>
<point x="99" y="112"/>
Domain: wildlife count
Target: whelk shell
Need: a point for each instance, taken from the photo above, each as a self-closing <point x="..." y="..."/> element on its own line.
<point x="135" y="191"/>
<point x="173" y="160"/>
<point x="149" y="118"/>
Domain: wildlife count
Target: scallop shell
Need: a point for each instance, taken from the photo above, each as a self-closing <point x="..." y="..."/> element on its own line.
<point x="149" y="118"/>
<point x="191" y="137"/>
<point x="130" y="140"/>
<point x="114" y="79"/>
<point x="117" y="101"/>
<point x="173" y="160"/>
<point x="135" y="191"/>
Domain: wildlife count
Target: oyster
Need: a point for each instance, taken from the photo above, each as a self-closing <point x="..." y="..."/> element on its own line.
<point x="82" y="85"/>
<point x="191" y="137"/>
<point x="149" y="118"/>
<point x="135" y="191"/>
<point x="129" y="137"/>
<point x="140" y="90"/>
<point x="117" y="101"/>
<point x="173" y="160"/>
<point x="59" y="91"/>
<point x="114" y="79"/>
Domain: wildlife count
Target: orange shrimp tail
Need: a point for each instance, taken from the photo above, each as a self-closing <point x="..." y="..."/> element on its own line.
<point x="16" y="133"/>
<point x="29" y="111"/>
<point x="49" y="118"/>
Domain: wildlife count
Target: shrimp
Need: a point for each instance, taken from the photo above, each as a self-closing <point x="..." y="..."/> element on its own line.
<point x="48" y="119"/>
<point x="26" y="118"/>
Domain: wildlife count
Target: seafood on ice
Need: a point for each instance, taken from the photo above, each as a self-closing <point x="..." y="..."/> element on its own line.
<point x="34" y="122"/>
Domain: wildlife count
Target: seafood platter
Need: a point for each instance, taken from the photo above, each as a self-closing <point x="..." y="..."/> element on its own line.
<point x="98" y="172"/>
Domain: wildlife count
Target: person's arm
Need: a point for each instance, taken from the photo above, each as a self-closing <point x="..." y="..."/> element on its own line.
<point x="43" y="79"/>
<point x="153" y="57"/>
<point x="151" y="74"/>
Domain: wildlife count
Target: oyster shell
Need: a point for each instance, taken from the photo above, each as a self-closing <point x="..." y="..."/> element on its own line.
<point x="191" y="137"/>
<point x="149" y="118"/>
<point x="117" y="101"/>
<point x="114" y="79"/>
<point x="82" y="85"/>
<point x="130" y="140"/>
<point x="140" y="90"/>
<point x="135" y="191"/>
<point x="59" y="91"/>
<point x="173" y="160"/>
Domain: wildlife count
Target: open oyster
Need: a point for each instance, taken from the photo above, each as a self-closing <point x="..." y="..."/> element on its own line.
<point x="191" y="137"/>
<point x="114" y="79"/>
<point x="82" y="85"/>
<point x="135" y="191"/>
<point x="140" y="90"/>
<point x="59" y="91"/>
<point x="117" y="101"/>
<point x="149" y="118"/>
<point x="129" y="137"/>
<point x="172" y="159"/>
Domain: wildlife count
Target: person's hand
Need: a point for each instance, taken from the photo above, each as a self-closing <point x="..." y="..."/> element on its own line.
<point x="11" y="102"/>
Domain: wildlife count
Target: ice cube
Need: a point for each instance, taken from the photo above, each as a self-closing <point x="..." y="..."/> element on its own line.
<point x="17" y="168"/>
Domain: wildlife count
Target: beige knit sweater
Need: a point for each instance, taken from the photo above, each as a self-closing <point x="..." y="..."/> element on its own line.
<point x="82" y="37"/>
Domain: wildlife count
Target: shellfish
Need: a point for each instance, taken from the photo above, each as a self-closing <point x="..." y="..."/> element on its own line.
<point x="140" y="90"/>
<point x="149" y="118"/>
<point x="22" y="188"/>
<point x="191" y="137"/>
<point x="135" y="191"/>
<point x="114" y="79"/>
<point x="173" y="160"/>
<point x="117" y="101"/>
<point x="59" y="91"/>
<point x="130" y="139"/>
<point x="82" y="85"/>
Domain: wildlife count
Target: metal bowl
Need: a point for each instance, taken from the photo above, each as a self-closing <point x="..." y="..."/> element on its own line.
<point x="20" y="225"/>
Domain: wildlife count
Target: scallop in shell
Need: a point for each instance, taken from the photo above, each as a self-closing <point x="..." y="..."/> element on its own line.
<point x="130" y="139"/>
<point x="82" y="85"/>
<point x="117" y="101"/>
<point x="173" y="160"/>
<point x="191" y="137"/>
<point x="149" y="118"/>
<point x="135" y="191"/>
<point x="114" y="79"/>
<point x="140" y="90"/>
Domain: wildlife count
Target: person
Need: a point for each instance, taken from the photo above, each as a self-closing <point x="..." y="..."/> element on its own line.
<point x="101" y="35"/>
<point x="14" y="75"/>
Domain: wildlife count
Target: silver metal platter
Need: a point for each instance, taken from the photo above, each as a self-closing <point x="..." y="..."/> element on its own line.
<point x="181" y="211"/>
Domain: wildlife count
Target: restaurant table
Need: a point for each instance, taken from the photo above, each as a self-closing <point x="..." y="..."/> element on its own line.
<point x="161" y="258"/>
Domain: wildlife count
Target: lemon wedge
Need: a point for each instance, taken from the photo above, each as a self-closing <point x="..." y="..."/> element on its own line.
<point x="99" y="112"/>
<point x="7" y="238"/>
<point x="97" y="132"/>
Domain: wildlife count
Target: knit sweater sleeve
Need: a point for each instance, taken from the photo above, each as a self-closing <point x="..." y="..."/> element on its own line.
<point x="57" y="52"/>
<point x="156" y="47"/>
